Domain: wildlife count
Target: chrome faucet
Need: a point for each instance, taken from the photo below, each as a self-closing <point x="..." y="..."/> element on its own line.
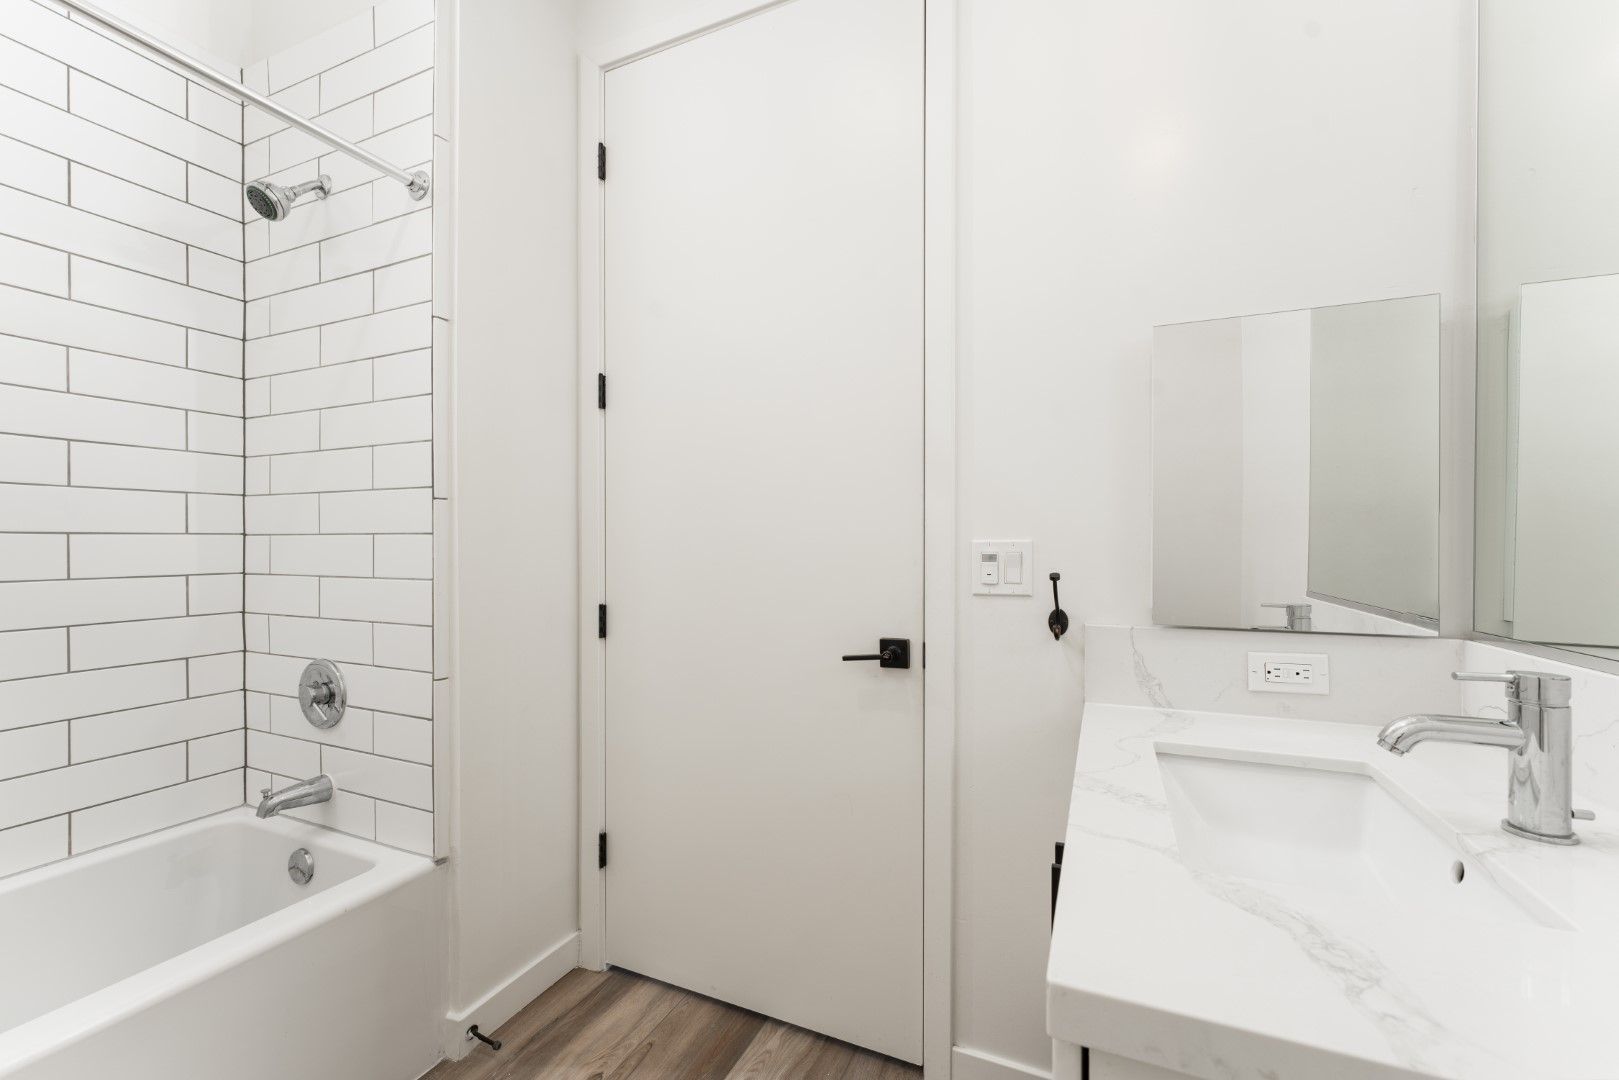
<point x="1538" y="735"/>
<point x="303" y="793"/>
<point x="1298" y="617"/>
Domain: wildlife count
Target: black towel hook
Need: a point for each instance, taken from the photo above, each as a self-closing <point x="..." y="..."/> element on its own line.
<point x="1057" y="621"/>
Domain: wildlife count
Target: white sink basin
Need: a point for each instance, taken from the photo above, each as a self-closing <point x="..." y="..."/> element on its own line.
<point x="1325" y="836"/>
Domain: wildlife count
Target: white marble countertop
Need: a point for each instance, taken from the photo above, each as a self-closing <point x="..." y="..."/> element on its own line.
<point x="1231" y="978"/>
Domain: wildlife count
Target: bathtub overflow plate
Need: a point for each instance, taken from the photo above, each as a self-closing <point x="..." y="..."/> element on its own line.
<point x="301" y="866"/>
<point x="321" y="694"/>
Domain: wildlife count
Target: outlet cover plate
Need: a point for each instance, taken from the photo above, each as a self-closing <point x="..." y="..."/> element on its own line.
<point x="1288" y="673"/>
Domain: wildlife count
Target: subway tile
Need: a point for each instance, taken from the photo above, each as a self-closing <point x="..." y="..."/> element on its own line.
<point x="90" y="510"/>
<point x="378" y="68"/>
<point x="25" y="702"/>
<point x="326" y="50"/>
<point x="268" y="514"/>
<point x="215" y="513"/>
<point x="74" y="230"/>
<point x="214" y="273"/>
<point x="408" y="146"/>
<point x="256" y="398"/>
<point x="32" y="556"/>
<point x="443" y="234"/>
<point x="31" y="604"/>
<point x="336" y="640"/>
<point x="214" y="112"/>
<point x="377" y="600"/>
<point x="255" y="164"/>
<point x="345" y="812"/>
<point x="214" y="193"/>
<point x="326" y="470"/>
<point x="30" y="266"/>
<point x="258" y="711"/>
<point x="409" y="693"/>
<point x="281" y="273"/>
<point x="270" y="674"/>
<point x="99" y="375"/>
<point x="215" y="594"/>
<point x="282" y="353"/>
<point x="321" y="388"/>
<point x="404" y="557"/>
<point x="256" y="628"/>
<point x="405" y="827"/>
<point x="26" y="411"/>
<point x="293" y="148"/>
<point x="166" y="215"/>
<point x="352" y="732"/>
<point x="42" y="795"/>
<point x="32" y="750"/>
<point x="390" y="242"/>
<point x="294" y="758"/>
<point x="102" y="466"/>
<point x="403" y="375"/>
<point x="342" y="212"/>
<point x="279" y="594"/>
<point x="403" y="646"/>
<point x="33" y="73"/>
<point x="112" y="823"/>
<point x="404" y="465"/>
<point x="303" y="99"/>
<point x="119" y="644"/>
<point x="214" y="353"/>
<point x="404" y="102"/>
<point x="293" y="433"/>
<point x="442" y="628"/>
<point x="402" y="330"/>
<point x="25" y="460"/>
<point x="210" y="433"/>
<point x="35" y="844"/>
<point x="218" y="674"/>
<point x="331" y="556"/>
<point x="108" y="734"/>
<point x="400" y="420"/>
<point x="330" y="301"/>
<point x="379" y="777"/>
<point x="215" y="754"/>
<point x="406" y="737"/>
<point x="149" y="556"/>
<point x="27" y="653"/>
<point x="80" y="47"/>
<point x="256" y="319"/>
<point x="125" y="290"/>
<point x="404" y="284"/>
<point x="258" y="475"/>
<point x="113" y="108"/>
<point x="77" y="139"/>
<point x="32" y="363"/>
<point x="398" y="17"/>
<point x="398" y="511"/>
<point x="32" y="170"/>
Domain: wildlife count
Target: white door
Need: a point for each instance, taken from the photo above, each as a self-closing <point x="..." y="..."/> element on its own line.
<point x="764" y="516"/>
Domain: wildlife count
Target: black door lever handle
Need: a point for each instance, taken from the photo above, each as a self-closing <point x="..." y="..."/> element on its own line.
<point x="896" y="653"/>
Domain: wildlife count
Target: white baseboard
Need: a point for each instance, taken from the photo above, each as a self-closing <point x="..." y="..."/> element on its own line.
<point x="969" y="1064"/>
<point x="507" y="999"/>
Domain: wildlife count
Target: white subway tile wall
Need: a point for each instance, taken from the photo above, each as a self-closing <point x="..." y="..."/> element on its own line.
<point x="121" y="475"/>
<point x="223" y="443"/>
<point x="339" y="430"/>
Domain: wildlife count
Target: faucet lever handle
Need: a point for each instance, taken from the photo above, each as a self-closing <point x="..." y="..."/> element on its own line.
<point x="1484" y="676"/>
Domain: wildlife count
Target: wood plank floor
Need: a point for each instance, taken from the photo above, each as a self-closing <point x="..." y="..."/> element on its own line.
<point x="616" y="1026"/>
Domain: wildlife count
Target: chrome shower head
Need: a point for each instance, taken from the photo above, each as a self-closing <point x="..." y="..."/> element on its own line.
<point x="274" y="202"/>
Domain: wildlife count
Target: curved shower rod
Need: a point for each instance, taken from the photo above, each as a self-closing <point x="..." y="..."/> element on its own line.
<point x="419" y="183"/>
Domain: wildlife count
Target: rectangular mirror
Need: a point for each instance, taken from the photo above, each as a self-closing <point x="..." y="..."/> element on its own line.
<point x="1296" y="470"/>
<point x="1548" y="325"/>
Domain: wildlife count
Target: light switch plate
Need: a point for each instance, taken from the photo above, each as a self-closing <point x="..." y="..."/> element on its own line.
<point x="1288" y="673"/>
<point x="1012" y="559"/>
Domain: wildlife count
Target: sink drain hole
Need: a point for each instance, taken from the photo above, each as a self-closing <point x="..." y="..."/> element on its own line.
<point x="1457" y="871"/>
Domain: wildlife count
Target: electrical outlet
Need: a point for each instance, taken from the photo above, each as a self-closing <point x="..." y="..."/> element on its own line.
<point x="1288" y="673"/>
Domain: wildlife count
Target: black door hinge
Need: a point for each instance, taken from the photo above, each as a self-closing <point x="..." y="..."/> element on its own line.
<point x="601" y="851"/>
<point x="601" y="161"/>
<point x="601" y="391"/>
<point x="601" y="620"/>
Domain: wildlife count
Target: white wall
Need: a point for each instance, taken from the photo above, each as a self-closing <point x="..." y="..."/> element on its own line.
<point x="516" y="822"/>
<point x="120" y="443"/>
<point x="1126" y="166"/>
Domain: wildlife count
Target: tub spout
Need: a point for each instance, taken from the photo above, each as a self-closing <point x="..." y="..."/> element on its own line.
<point x="303" y="793"/>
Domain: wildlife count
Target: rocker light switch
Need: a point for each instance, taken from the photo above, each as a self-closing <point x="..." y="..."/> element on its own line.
<point x="1002" y="567"/>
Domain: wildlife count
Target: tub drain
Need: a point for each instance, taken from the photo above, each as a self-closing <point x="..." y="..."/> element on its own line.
<point x="301" y="866"/>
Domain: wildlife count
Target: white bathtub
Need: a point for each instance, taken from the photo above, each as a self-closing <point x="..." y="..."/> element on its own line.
<point x="191" y="955"/>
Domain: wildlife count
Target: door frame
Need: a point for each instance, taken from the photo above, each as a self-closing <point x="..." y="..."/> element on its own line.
<point x="940" y="530"/>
